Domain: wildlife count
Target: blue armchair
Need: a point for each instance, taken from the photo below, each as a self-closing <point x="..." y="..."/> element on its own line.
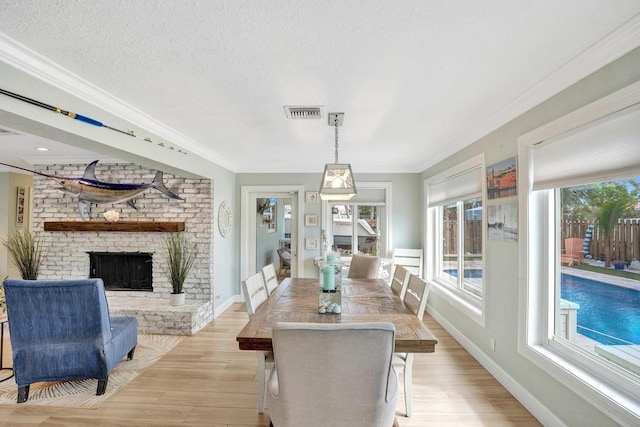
<point x="61" y="330"/>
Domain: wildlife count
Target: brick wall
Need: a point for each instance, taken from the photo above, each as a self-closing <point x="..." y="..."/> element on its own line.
<point x="67" y="256"/>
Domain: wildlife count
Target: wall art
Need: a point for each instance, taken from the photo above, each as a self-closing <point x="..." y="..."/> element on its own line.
<point x="311" y="243"/>
<point x="312" y="197"/>
<point x="502" y="222"/>
<point x="21" y="206"/>
<point x="502" y="179"/>
<point x="311" y="220"/>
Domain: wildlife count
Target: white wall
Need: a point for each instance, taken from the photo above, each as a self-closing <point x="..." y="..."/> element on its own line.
<point x="502" y="271"/>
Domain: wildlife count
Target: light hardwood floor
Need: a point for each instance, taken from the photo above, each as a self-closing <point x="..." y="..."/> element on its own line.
<point x="207" y="381"/>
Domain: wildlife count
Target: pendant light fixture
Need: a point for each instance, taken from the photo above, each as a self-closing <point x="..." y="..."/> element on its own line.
<point x="337" y="180"/>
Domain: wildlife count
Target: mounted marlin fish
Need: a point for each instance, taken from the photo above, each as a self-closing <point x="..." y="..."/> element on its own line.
<point x="89" y="189"/>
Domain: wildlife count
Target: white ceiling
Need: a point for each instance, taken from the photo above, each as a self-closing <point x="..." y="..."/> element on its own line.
<point x="417" y="79"/>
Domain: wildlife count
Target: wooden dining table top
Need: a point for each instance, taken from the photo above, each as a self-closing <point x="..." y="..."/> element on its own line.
<point x="363" y="300"/>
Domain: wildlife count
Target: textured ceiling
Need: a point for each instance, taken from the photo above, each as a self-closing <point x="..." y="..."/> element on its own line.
<point x="416" y="79"/>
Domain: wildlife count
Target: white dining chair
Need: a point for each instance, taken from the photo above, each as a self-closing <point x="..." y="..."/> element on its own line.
<point x="333" y="374"/>
<point x="399" y="281"/>
<point x="411" y="259"/>
<point x="415" y="297"/>
<point x="270" y="278"/>
<point x="255" y="293"/>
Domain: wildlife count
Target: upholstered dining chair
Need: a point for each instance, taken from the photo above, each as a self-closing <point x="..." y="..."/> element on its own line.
<point x="336" y="374"/>
<point x="270" y="278"/>
<point x="285" y="262"/>
<point x="363" y="267"/>
<point x="255" y="293"/>
<point x="415" y="297"/>
<point x="399" y="281"/>
<point x="61" y="330"/>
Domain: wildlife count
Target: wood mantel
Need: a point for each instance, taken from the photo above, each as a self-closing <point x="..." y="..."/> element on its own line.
<point x="124" y="226"/>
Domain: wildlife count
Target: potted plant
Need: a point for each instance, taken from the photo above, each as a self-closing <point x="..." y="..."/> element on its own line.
<point x="179" y="257"/>
<point x="26" y="252"/>
<point x="619" y="265"/>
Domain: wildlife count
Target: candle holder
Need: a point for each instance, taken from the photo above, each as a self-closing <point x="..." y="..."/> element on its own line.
<point x="330" y="289"/>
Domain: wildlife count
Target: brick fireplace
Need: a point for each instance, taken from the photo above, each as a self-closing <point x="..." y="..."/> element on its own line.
<point x="123" y="270"/>
<point x="67" y="251"/>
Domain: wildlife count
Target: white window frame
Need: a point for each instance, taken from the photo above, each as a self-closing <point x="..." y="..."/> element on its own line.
<point x="384" y="217"/>
<point x="469" y="304"/>
<point x="607" y="387"/>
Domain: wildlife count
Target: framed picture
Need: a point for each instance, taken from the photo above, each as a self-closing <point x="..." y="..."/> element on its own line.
<point x="311" y="220"/>
<point x="311" y="243"/>
<point x="21" y="200"/>
<point x="312" y="197"/>
<point x="502" y="222"/>
<point x="502" y="179"/>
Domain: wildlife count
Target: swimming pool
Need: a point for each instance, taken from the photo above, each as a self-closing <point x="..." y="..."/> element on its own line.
<point x="606" y="312"/>
<point x="468" y="273"/>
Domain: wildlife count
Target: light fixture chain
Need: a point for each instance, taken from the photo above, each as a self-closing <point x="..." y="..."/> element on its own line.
<point x="336" y="125"/>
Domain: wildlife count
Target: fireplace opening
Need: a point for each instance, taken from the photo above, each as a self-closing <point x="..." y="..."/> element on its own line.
<point x="122" y="271"/>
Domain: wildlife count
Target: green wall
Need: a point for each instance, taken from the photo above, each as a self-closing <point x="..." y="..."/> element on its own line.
<point x="405" y="207"/>
<point x="502" y="272"/>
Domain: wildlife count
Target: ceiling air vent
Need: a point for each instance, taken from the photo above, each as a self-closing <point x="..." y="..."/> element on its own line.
<point x="301" y="113"/>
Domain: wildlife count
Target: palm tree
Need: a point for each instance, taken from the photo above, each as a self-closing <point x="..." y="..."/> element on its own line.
<point x="607" y="218"/>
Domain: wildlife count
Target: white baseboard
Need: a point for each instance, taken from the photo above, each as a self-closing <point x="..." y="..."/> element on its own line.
<point x="217" y="311"/>
<point x="533" y="405"/>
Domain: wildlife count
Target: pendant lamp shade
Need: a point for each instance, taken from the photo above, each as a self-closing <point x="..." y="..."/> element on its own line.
<point x="337" y="180"/>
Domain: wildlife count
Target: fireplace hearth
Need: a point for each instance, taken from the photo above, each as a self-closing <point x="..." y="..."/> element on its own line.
<point x="122" y="271"/>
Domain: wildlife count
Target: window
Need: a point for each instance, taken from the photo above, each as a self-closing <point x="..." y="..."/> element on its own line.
<point x="355" y="228"/>
<point x="461" y="250"/>
<point x="455" y="235"/>
<point x="359" y="225"/>
<point x="579" y="171"/>
<point x="596" y="295"/>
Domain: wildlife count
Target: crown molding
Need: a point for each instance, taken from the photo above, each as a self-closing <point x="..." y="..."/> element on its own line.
<point x="35" y="65"/>
<point x="613" y="46"/>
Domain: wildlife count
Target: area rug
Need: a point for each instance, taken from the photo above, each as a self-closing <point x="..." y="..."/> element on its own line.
<point x="82" y="393"/>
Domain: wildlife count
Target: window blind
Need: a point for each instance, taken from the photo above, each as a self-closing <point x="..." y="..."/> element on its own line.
<point x="603" y="150"/>
<point x="374" y="196"/>
<point x="462" y="185"/>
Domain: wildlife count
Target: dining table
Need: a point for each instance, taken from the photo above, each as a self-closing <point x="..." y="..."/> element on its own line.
<point x="362" y="300"/>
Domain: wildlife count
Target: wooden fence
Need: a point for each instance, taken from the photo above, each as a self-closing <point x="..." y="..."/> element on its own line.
<point x="626" y="238"/>
<point x="472" y="239"/>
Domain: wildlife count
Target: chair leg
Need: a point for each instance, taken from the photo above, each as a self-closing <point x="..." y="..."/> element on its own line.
<point x="262" y="367"/>
<point x="102" y="386"/>
<point x="130" y="354"/>
<point x="408" y="375"/>
<point x="23" y="394"/>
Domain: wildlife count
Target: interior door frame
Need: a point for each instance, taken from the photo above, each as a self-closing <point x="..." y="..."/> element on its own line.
<point x="248" y="218"/>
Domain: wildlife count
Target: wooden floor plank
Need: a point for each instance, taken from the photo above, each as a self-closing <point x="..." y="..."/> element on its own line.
<point x="207" y="381"/>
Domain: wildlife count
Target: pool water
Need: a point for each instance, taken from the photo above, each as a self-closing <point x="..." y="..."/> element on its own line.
<point x="469" y="273"/>
<point x="608" y="314"/>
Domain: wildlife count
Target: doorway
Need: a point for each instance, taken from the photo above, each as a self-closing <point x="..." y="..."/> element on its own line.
<point x="264" y="228"/>
<point x="273" y="234"/>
